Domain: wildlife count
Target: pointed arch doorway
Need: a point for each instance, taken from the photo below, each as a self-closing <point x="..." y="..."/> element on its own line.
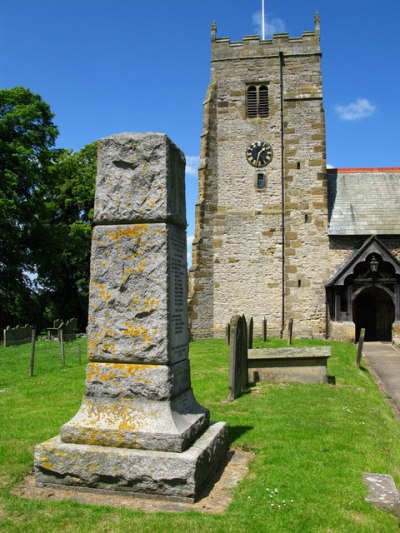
<point x="365" y="293"/>
<point x="373" y="309"/>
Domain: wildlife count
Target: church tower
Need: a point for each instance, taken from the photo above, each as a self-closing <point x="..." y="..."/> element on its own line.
<point x="262" y="215"/>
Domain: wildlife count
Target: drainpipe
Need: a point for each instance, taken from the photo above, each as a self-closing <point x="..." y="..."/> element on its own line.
<point x="281" y="65"/>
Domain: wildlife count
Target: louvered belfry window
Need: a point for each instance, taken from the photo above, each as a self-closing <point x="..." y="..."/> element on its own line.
<point x="252" y="106"/>
<point x="263" y="105"/>
<point x="257" y="104"/>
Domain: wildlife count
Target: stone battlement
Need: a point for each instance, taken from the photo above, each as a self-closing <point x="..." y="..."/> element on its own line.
<point x="254" y="46"/>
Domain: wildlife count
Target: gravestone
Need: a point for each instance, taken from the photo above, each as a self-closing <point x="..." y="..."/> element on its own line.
<point x="139" y="428"/>
<point x="264" y="328"/>
<point x="250" y="333"/>
<point x="290" y="331"/>
<point x="17" y="335"/>
<point x="237" y="357"/>
<point x="228" y="333"/>
<point x="70" y="329"/>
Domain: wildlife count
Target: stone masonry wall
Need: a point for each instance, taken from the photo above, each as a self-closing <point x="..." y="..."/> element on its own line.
<point x="239" y="240"/>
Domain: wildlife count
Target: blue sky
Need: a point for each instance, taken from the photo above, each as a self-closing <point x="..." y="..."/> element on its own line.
<point x="108" y="66"/>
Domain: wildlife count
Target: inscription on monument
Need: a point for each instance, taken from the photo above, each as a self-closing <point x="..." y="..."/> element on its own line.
<point x="178" y="324"/>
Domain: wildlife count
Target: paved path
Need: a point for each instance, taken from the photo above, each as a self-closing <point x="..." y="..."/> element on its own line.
<point x="384" y="362"/>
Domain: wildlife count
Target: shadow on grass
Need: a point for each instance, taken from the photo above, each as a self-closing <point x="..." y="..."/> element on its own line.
<point x="236" y="432"/>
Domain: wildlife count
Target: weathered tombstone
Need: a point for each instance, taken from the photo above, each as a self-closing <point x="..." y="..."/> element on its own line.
<point x="244" y="352"/>
<point x="360" y="347"/>
<point x="17" y="335"/>
<point x="228" y="333"/>
<point x="290" y="331"/>
<point x="264" y="329"/>
<point x="70" y="328"/>
<point x="139" y="428"/>
<point x="238" y="357"/>
<point x="235" y="371"/>
<point x="250" y="333"/>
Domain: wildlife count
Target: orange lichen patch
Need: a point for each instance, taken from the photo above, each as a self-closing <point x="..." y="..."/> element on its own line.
<point x="104" y="294"/>
<point x="151" y="304"/>
<point x="132" y="232"/>
<point x="126" y="274"/>
<point x="115" y="371"/>
<point x="136" y="330"/>
<point x="141" y="265"/>
<point x="119" y="415"/>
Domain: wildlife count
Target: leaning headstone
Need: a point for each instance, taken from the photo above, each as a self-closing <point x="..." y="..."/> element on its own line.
<point x="237" y="357"/>
<point x="235" y="371"/>
<point x="139" y="428"/>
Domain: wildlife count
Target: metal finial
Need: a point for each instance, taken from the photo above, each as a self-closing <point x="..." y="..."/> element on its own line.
<point x="317" y="21"/>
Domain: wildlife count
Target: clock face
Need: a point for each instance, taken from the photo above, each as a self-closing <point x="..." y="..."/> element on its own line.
<point x="259" y="154"/>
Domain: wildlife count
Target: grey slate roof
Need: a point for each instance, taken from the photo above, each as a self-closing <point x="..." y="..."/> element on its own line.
<point x="364" y="201"/>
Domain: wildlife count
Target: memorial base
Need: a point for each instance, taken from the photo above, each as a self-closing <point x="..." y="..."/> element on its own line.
<point x="165" y="474"/>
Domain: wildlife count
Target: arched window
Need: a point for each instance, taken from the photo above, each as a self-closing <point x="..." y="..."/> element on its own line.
<point x="257" y="102"/>
<point x="263" y="105"/>
<point x="252" y="101"/>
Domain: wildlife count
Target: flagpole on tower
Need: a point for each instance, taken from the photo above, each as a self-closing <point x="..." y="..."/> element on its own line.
<point x="263" y="19"/>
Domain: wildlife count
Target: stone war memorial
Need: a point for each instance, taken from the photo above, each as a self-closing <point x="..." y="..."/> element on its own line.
<point x="139" y="428"/>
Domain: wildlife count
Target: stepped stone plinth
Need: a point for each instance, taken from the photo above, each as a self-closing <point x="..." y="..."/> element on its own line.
<point x="139" y="427"/>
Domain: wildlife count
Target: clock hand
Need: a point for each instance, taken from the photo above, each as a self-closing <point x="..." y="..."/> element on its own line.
<point x="263" y="149"/>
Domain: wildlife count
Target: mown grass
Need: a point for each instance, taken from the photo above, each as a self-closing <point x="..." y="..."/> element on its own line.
<point x="311" y="444"/>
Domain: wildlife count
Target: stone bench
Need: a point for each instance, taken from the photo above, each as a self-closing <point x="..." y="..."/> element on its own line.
<point x="288" y="365"/>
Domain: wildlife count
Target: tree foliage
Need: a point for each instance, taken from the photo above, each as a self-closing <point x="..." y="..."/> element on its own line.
<point x="27" y="133"/>
<point x="46" y="203"/>
<point x="64" y="274"/>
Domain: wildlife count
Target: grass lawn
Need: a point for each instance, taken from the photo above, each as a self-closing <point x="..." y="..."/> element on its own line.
<point x="311" y="444"/>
